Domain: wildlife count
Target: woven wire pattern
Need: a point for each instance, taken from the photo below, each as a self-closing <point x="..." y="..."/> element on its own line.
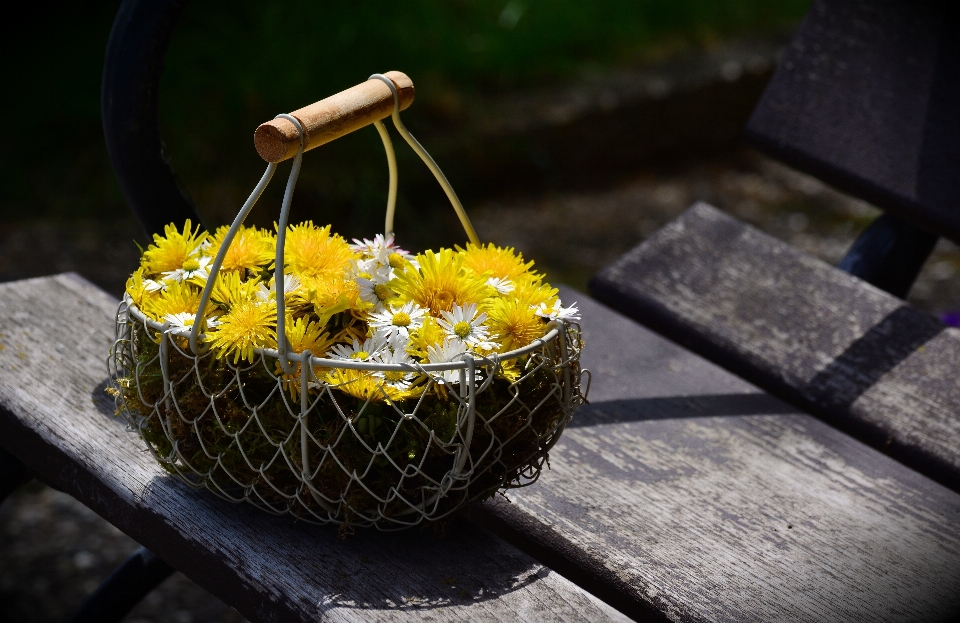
<point x="251" y="433"/>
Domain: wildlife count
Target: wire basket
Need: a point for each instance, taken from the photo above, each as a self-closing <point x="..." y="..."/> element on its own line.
<point x="277" y="432"/>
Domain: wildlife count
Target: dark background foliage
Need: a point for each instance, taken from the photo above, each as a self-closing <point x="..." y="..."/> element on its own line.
<point x="234" y="64"/>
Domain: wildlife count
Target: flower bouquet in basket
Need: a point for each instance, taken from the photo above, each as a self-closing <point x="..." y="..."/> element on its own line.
<point x="349" y="383"/>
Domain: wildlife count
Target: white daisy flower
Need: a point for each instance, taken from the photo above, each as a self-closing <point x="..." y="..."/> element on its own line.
<point x="291" y="283"/>
<point x="398" y="320"/>
<point x="264" y="293"/>
<point x="375" y="289"/>
<point x="450" y="350"/>
<point x="381" y="251"/>
<point x="179" y="323"/>
<point x="362" y="268"/>
<point x="557" y="312"/>
<point x="194" y="268"/>
<point x="466" y="325"/>
<point x="501" y="284"/>
<point x="182" y="323"/>
<point x="399" y="379"/>
<point x="154" y="286"/>
<point x="373" y="247"/>
<point x="365" y="351"/>
<point x="399" y="343"/>
<point x="371" y="347"/>
<point x="395" y="258"/>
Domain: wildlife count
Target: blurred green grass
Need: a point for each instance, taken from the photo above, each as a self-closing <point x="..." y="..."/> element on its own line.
<point x="233" y="64"/>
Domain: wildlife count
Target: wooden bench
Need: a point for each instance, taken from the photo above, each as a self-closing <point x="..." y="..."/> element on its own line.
<point x="56" y="418"/>
<point x="828" y="342"/>
<point x="681" y="492"/>
<point x="701" y="498"/>
<point x="866" y="98"/>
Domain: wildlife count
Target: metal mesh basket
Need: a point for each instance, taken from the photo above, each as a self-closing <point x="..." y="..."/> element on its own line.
<point x="278" y="433"/>
<point x="293" y="444"/>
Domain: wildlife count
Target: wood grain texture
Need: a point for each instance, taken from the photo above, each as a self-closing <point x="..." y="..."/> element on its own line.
<point x="865" y="98"/>
<point x="682" y="491"/>
<point x="860" y="358"/>
<point x="55" y="417"/>
<point x="332" y="117"/>
<point x="701" y="499"/>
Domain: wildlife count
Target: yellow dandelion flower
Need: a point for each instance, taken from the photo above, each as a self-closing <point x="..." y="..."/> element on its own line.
<point x="170" y="251"/>
<point x="177" y="298"/>
<point x="230" y="289"/>
<point x="429" y="334"/>
<point x="441" y="282"/>
<point x="136" y="288"/>
<point x="303" y="334"/>
<point x="513" y="323"/>
<point x="251" y="249"/>
<point x="501" y="262"/>
<point x="311" y="251"/>
<point x="510" y="370"/>
<point x="353" y="330"/>
<point x="331" y="295"/>
<point x="533" y="292"/>
<point x="248" y="325"/>
<point x="365" y="386"/>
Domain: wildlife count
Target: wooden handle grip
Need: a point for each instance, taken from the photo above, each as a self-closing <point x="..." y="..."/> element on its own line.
<point x="331" y="118"/>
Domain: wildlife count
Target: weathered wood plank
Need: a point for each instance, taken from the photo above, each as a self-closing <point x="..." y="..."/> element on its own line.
<point x="55" y="417"/>
<point x="686" y="491"/>
<point x="674" y="490"/>
<point x="801" y="329"/>
<point x="865" y="98"/>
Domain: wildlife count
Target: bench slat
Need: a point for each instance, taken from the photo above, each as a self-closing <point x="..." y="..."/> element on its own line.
<point x="672" y="493"/>
<point x="689" y="492"/>
<point x="55" y="417"/>
<point x="865" y="98"/>
<point x="836" y="346"/>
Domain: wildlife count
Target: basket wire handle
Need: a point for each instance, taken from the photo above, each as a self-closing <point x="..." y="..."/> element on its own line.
<point x="199" y="321"/>
<point x="283" y="346"/>
<point x="427" y="159"/>
<point x="392" y="166"/>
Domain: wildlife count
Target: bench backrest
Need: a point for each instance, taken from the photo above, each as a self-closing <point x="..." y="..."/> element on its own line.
<point x="867" y="98"/>
<point x="130" y="111"/>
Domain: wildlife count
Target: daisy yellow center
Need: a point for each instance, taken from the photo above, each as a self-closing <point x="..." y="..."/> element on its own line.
<point x="462" y="329"/>
<point x="360" y="354"/>
<point x="191" y="265"/>
<point x="382" y="291"/>
<point x="395" y="260"/>
<point x="394" y="377"/>
<point x="401" y="319"/>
